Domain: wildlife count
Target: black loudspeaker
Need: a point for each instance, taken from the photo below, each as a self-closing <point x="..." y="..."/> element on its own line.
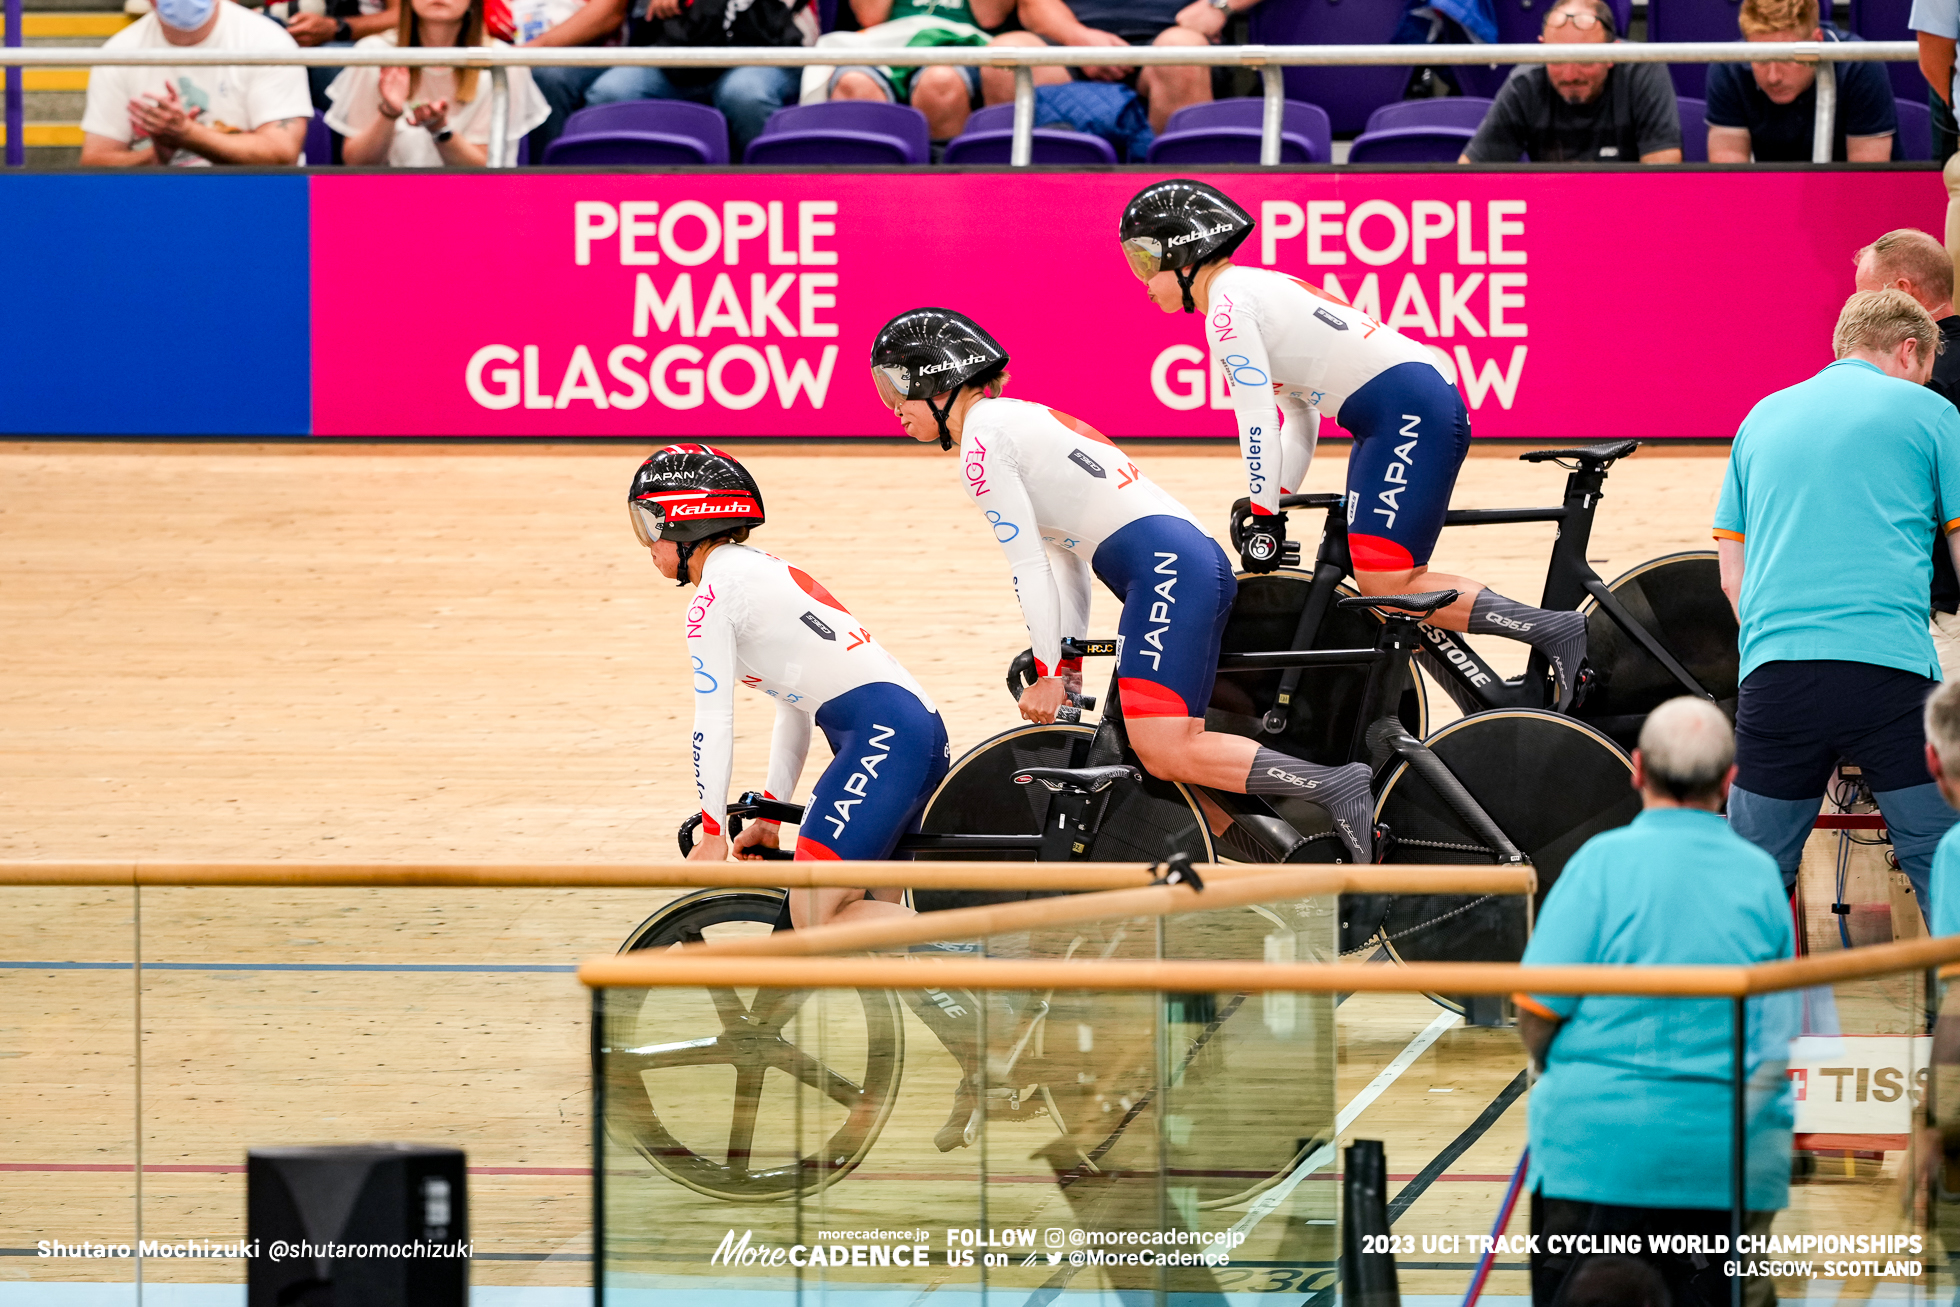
<point x="357" y="1225"/>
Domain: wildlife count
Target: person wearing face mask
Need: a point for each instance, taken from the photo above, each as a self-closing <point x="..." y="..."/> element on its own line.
<point x="1581" y="113"/>
<point x="195" y="116"/>
<point x="429" y="117"/>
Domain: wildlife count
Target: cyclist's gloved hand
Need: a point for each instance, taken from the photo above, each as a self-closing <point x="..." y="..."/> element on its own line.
<point x="1262" y="542"/>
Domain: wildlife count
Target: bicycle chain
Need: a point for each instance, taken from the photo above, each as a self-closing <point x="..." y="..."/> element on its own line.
<point x="1382" y="941"/>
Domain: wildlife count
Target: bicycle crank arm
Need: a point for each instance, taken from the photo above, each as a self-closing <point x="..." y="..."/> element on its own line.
<point x="1390" y="735"/>
<point x="1660" y="653"/>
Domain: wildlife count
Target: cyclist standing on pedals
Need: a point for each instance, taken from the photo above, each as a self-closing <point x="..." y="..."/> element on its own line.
<point x="756" y="618"/>
<point x="1063" y="500"/>
<point x="1291" y="351"/>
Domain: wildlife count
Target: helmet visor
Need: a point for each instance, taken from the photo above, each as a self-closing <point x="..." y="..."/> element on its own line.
<point x="1146" y="256"/>
<point x="892" y="383"/>
<point x="648" y="520"/>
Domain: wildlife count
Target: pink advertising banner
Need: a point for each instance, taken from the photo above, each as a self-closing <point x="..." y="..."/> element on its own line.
<point x="1564" y="305"/>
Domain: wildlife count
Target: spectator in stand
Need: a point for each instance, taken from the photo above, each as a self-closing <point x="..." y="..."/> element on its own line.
<point x="1824" y="531"/>
<point x="1911" y="261"/>
<point x="429" y="117"/>
<point x="1581" y="113"/>
<point x="1770" y="109"/>
<point x="944" y="94"/>
<point x="1120" y="23"/>
<point x="188" y="117"/>
<point x="746" y="96"/>
<point x="341" y="22"/>
<point x="550" y="23"/>
<point x="1615" y="1070"/>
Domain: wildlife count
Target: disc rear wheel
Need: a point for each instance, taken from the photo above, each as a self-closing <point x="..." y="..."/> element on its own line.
<point x="1140" y="823"/>
<point x="1549" y="782"/>
<point x="1679" y="599"/>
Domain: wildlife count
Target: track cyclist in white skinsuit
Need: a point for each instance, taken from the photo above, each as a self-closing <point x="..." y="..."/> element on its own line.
<point x="1063" y="501"/>
<point x="1290" y="351"/>
<point x="756" y="619"/>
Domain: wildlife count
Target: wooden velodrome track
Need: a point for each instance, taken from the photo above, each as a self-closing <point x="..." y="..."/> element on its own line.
<point x="341" y="652"/>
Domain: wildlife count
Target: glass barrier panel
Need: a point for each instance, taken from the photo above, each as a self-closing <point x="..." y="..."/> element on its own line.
<point x="67" y="1092"/>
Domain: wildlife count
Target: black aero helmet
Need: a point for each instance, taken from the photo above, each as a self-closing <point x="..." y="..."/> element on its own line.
<point x="927" y="352"/>
<point x="688" y="493"/>
<point x="1181" y="225"/>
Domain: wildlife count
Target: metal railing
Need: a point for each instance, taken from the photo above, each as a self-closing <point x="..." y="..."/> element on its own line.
<point x="1269" y="59"/>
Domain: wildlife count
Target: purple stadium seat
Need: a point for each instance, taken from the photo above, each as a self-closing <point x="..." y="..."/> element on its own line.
<point x="1694" y="129"/>
<point x="654" y="133"/>
<point x="1915" y="140"/>
<point x="1411" y="145"/>
<point x="842" y="132"/>
<point x="319" y="142"/>
<point x="1885" y="20"/>
<point x="1228" y="131"/>
<point x="1449" y="111"/>
<point x="1692" y="20"/>
<point x="1349" y="95"/>
<point x="1519" y="22"/>
<point x="1050" y="146"/>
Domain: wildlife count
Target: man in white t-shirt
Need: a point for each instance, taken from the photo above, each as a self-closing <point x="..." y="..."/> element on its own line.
<point x="193" y="117"/>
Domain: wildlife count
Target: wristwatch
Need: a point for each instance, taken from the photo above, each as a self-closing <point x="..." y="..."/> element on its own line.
<point x="1222" y="6"/>
<point x="343" y="33"/>
<point x="444" y="134"/>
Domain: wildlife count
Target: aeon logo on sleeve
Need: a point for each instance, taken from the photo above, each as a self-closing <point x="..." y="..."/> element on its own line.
<point x="974" y="466"/>
<point x="697" y="612"/>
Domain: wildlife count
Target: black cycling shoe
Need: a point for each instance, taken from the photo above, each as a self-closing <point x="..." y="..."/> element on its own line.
<point x="962" y="1123"/>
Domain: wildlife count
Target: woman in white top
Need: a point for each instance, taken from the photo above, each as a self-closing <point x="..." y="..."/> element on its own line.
<point x="1065" y="503"/>
<point x="428" y="117"/>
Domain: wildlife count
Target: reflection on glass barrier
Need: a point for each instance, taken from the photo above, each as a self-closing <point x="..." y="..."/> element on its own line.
<point x="283" y="1017"/>
<point x="837" y="1142"/>
<point x="1059" y="1141"/>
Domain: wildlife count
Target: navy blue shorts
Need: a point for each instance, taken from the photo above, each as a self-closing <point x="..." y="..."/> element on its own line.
<point x="1410" y="432"/>
<point x="1795" y="719"/>
<point x="1177" y="589"/>
<point x="891" y="753"/>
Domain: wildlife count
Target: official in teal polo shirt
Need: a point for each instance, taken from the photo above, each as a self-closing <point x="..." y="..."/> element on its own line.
<point x="1943" y="761"/>
<point x="1630" y="1120"/>
<point x="1836" y="490"/>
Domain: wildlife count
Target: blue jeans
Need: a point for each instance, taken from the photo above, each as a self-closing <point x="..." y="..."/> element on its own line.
<point x="746" y="96"/>
<point x="564" y="90"/>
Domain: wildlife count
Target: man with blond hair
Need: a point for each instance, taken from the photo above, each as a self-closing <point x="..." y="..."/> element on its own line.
<point x="1836" y="490"/>
<point x="1640" y="1067"/>
<point x="1770" y="109"/>
<point x="1912" y="261"/>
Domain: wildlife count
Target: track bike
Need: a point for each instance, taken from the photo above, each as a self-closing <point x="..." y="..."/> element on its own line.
<point x="1659" y="630"/>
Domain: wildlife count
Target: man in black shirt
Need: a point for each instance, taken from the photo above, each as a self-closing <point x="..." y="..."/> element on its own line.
<point x="1916" y="263"/>
<point x="1770" y="109"/>
<point x="1574" y="113"/>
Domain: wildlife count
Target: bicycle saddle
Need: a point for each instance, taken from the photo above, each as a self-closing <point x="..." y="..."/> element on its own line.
<point x="1585" y="453"/>
<point x="1082" y="780"/>
<point x="1425" y="603"/>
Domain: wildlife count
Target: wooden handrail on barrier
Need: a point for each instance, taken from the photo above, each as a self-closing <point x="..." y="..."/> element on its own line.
<point x="685" y="968"/>
<point x="1410" y="879"/>
<point x="1276" y="886"/>
<point x="651" y="875"/>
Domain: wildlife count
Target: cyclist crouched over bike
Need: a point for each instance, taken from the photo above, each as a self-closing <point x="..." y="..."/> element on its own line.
<point x="1290" y="351"/>
<point x="1062" y="500"/>
<point x="755" y="618"/>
